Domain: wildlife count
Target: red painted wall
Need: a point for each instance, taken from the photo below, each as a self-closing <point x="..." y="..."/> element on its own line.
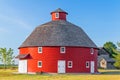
<point x="62" y="16"/>
<point x="51" y="55"/>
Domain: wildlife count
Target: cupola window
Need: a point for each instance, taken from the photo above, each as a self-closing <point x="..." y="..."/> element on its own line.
<point x="56" y="15"/>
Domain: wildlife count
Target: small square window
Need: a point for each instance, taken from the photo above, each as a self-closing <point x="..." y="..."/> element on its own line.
<point x="70" y="64"/>
<point x="62" y="49"/>
<point x="39" y="49"/>
<point x="87" y="64"/>
<point x="40" y="64"/>
<point x="56" y="15"/>
<point x="92" y="51"/>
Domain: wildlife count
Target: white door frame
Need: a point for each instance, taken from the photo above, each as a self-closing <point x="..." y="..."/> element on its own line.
<point x="92" y="66"/>
<point x="22" y="67"/>
<point x="61" y="66"/>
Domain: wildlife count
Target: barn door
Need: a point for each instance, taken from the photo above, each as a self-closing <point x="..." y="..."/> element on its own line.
<point x="22" y="68"/>
<point x="61" y="66"/>
<point x="92" y="68"/>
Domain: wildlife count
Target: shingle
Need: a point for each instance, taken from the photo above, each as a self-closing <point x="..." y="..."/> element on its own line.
<point x="22" y="56"/>
<point x="59" y="10"/>
<point x="58" y="33"/>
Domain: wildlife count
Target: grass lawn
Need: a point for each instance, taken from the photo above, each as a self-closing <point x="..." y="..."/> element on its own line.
<point x="105" y="75"/>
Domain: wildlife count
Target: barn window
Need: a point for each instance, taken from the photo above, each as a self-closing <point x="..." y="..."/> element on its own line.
<point x="40" y="64"/>
<point x="92" y="51"/>
<point x="56" y="15"/>
<point x="70" y="64"/>
<point x="39" y="49"/>
<point x="62" y="49"/>
<point x="87" y="64"/>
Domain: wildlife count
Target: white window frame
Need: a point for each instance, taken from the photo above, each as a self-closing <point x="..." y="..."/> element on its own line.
<point x="87" y="64"/>
<point x="92" y="50"/>
<point x="61" y="50"/>
<point x="71" y="64"/>
<point x="39" y="65"/>
<point x="57" y="15"/>
<point x="39" y="49"/>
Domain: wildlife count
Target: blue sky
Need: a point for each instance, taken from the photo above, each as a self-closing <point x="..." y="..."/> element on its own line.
<point x="100" y="19"/>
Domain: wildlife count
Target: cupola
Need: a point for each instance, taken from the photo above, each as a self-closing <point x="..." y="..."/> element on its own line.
<point x="58" y="14"/>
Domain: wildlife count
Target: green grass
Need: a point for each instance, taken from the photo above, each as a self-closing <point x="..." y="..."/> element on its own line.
<point x="113" y="72"/>
<point x="8" y="66"/>
<point x="105" y="75"/>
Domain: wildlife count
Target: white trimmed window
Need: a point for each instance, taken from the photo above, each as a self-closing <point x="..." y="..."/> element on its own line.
<point x="87" y="64"/>
<point x="39" y="49"/>
<point x="39" y="64"/>
<point x="70" y="64"/>
<point x="62" y="50"/>
<point x="92" y="51"/>
<point x="56" y="15"/>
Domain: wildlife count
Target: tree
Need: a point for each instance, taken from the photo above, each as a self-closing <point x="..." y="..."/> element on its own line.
<point x="114" y="52"/>
<point x="110" y="47"/>
<point x="10" y="57"/>
<point x="117" y="57"/>
<point x="117" y="62"/>
<point x="6" y="56"/>
<point x="118" y="43"/>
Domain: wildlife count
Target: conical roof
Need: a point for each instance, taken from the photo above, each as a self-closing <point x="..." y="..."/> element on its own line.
<point x="58" y="33"/>
<point x="59" y="10"/>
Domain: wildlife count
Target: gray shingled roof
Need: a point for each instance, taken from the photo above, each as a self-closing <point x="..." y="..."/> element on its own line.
<point x="22" y="56"/>
<point x="102" y="51"/>
<point x="106" y="57"/>
<point x="104" y="54"/>
<point x="58" y="33"/>
<point x="59" y="10"/>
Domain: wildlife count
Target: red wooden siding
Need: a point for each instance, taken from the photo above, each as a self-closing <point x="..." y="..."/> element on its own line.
<point x="62" y="16"/>
<point x="51" y="55"/>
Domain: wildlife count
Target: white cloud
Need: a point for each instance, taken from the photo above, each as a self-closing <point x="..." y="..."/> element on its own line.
<point x="16" y="21"/>
<point x="10" y="16"/>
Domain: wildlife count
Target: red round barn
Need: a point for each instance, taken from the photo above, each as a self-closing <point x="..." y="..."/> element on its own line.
<point x="58" y="46"/>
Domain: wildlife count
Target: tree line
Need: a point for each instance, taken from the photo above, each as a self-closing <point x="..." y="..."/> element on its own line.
<point x="114" y="52"/>
<point x="7" y="57"/>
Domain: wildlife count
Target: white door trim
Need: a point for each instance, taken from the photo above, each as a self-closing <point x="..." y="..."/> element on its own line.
<point x="61" y="66"/>
<point x="22" y="68"/>
<point x="92" y="67"/>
